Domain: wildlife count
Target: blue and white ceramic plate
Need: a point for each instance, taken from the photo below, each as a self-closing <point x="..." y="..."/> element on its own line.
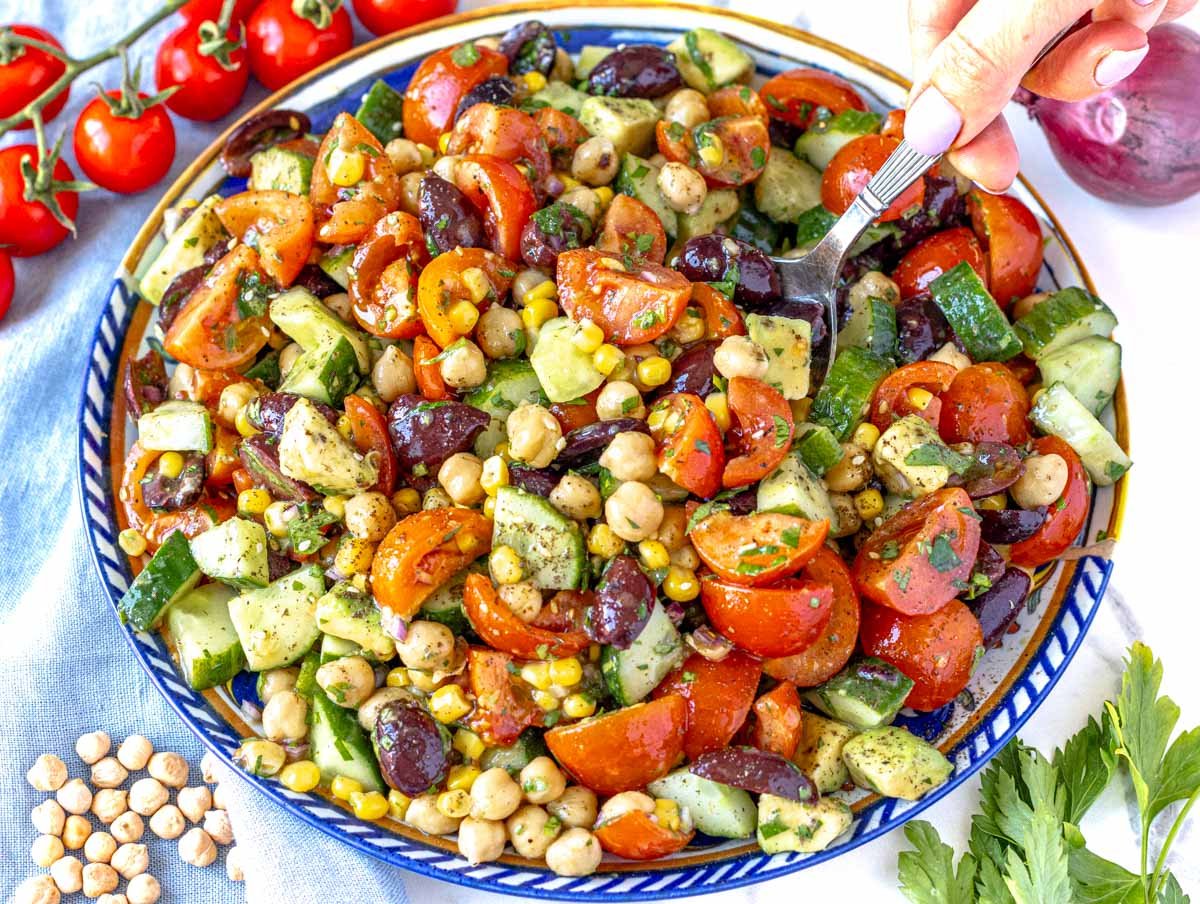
<point x="1005" y="690"/>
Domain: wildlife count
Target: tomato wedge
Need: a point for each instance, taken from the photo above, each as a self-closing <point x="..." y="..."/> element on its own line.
<point x="503" y="707"/>
<point x="369" y="429"/>
<point x="893" y="123"/>
<point x="756" y="549"/>
<point x="562" y="133"/>
<point x="1012" y="238"/>
<point x="191" y="521"/>
<point x="688" y="442"/>
<point x="1064" y="519"/>
<point x="760" y="434"/>
<point x="635" y="835"/>
<point x="785" y="618"/>
<point x="441" y="286"/>
<point x="423" y="551"/>
<point x="345" y="215"/>
<point x="777" y="721"/>
<point x="222" y="460"/>
<point x="426" y="370"/>
<point x="917" y="560"/>
<point x="503" y="132"/>
<point x="830" y="652"/>
<point x="622" y="750"/>
<point x="502" y="195"/>
<point x="985" y="404"/>
<point x="632" y="306"/>
<point x="278" y="224"/>
<point x="494" y="622"/>
<point x="440" y="83"/>
<point x="631" y="228"/>
<point x="892" y="402"/>
<point x="211" y="331"/>
<point x="744" y="141"/>
<point x="718" y="697"/>
<point x="937" y="651"/>
<point x="736" y="100"/>
<point x="137" y="463"/>
<point x="852" y="168"/>
<point x="721" y="316"/>
<point x="383" y="277"/>
<point x="797" y="95"/>
<point x="936" y="255"/>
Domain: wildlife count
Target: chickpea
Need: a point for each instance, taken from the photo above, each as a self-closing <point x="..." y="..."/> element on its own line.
<point x="851" y="472"/>
<point x="949" y="354"/>
<point x="460" y="476"/>
<point x="48" y="773"/>
<point x="233" y="865"/>
<point x="410" y="192"/>
<point x="197" y="848"/>
<point x="48" y="817"/>
<point x="499" y="332"/>
<point x="219" y="797"/>
<point x="630" y="456"/>
<point x="523" y="598"/>
<point x="191" y="802"/>
<point x="340" y="304"/>
<point x="284" y="718"/>
<point x="349" y="680"/>
<point x="446" y="167"/>
<point x="146" y="795"/>
<point x="135" y="752"/>
<point x="687" y="107"/>
<point x="575" y="852"/>
<point x="672" y="530"/>
<point x="143" y="889"/>
<point x="625" y="802"/>
<point x="576" y="496"/>
<point x="45" y="850"/>
<point x="67" y="873"/>
<point x="847" y="520"/>
<point x="494" y="795"/>
<point x="542" y="781"/>
<point x="37" y="890"/>
<point x="209" y="764"/>
<point x="368" y="712"/>
<point x="276" y="681"/>
<point x="481" y="840"/>
<point x="109" y="803"/>
<point x="682" y="187"/>
<point x="75" y="832"/>
<point x="288" y="358"/>
<point x="99" y="878"/>
<point x="595" y="161"/>
<point x="585" y="200"/>
<point x="738" y="356"/>
<point x="75" y="796"/>
<point x="169" y="768"/>
<point x="619" y="398"/>
<point x="95" y="745"/>
<point x="429" y="645"/>
<point x="233" y="399"/>
<point x="436" y="498"/>
<point x="393" y="375"/>
<point x="218" y="826"/>
<point x="404" y="154"/>
<point x="99" y="847"/>
<point x="128" y="826"/>
<point x="109" y="773"/>
<point x="633" y="512"/>
<point x="874" y="284"/>
<point x="1042" y="482"/>
<point x="524" y="281"/>
<point x="464" y="366"/>
<point x="685" y="556"/>
<point x="424" y="816"/>
<point x="168" y="822"/>
<point x="130" y="860"/>
<point x="533" y="435"/>
<point x="1023" y="306"/>
<point x="531" y="830"/>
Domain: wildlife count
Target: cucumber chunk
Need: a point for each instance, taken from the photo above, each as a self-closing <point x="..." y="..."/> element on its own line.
<point x="234" y="552"/>
<point x="787" y="187"/>
<point x="549" y="543"/>
<point x="339" y="745"/>
<point x="638" y="178"/>
<point x="824" y="138"/>
<point x="788" y="344"/>
<point x="633" y="673"/>
<point x="1062" y="319"/>
<point x="895" y="763"/>
<point x="310" y="323"/>
<point x="720" y="204"/>
<point x="819" y="755"/>
<point x="326" y="374"/>
<point x="803" y="826"/>
<point x="1090" y="369"/>
<point x="872" y="326"/>
<point x="564" y="372"/>
<point x="445" y="605"/>
<point x="793" y="489"/>
<point x="718" y="810"/>
<point x="974" y="315"/>
<point x="845" y="397"/>
<point x="350" y="614"/>
<point x="336" y="264"/>
<point x="818" y="447"/>
<point x="517" y="755"/>
<point x="185" y="249"/>
<point x="867" y="693"/>
<point x="381" y="110"/>
<point x="176" y="426"/>
<point x="708" y="60"/>
<point x="1060" y="414"/>
<point x="169" y="574"/>
<point x="206" y="643"/>
<point x="277" y="624"/>
<point x="509" y="383"/>
<point x="560" y="96"/>
<point x="280" y="169"/>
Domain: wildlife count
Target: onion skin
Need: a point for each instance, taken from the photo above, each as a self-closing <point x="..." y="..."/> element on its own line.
<point x="1138" y="142"/>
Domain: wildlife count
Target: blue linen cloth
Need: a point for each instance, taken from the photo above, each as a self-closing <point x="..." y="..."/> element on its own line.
<point x="64" y="661"/>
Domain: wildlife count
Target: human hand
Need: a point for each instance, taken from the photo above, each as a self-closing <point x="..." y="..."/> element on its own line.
<point x="969" y="56"/>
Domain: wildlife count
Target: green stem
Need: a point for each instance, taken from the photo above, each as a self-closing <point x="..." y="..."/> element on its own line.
<point x="1160" y="865"/>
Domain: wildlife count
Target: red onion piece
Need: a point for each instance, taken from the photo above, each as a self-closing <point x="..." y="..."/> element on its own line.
<point x="709" y="644"/>
<point x="296" y="752"/>
<point x="393" y="625"/>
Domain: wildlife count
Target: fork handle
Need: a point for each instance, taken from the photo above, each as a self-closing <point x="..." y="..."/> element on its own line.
<point x="902" y="168"/>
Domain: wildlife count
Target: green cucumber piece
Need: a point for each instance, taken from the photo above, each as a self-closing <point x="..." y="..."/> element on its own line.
<point x="787" y="187"/>
<point x="266" y="369"/>
<point x="1060" y="414"/>
<point x="206" y="643"/>
<point x="788" y="344"/>
<point x="336" y="264"/>
<point x="277" y="624"/>
<point x="824" y="138"/>
<point x="306" y="680"/>
<point x="381" y="112"/>
<point x="818" y="447"/>
<point x="793" y="489"/>
<point x="708" y="60"/>
<point x="815" y="223"/>
<point x="872" y="326"/>
<point x="234" y="552"/>
<point x="845" y="397"/>
<point x="509" y="382"/>
<point x="176" y="426"/>
<point x="281" y="169"/>
<point x="326" y="374"/>
<point x="564" y="372"/>
<point x="170" y="573"/>
<point x="638" y="178"/>
<point x="895" y="763"/>
<point x="1089" y="368"/>
<point x="633" y="673"/>
<point x="1063" y="319"/>
<point x="550" y="544"/>
<point x="753" y="227"/>
<point x="445" y="605"/>
<point x="185" y="249"/>
<point x="718" y="810"/>
<point x="338" y="744"/>
<point x="867" y="693"/>
<point x="517" y="755"/>
<point x="974" y="315"/>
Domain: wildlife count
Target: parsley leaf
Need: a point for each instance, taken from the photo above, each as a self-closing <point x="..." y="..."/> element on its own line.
<point x="465" y="55"/>
<point x="937" y="454"/>
<point x="783" y="431"/>
<point x="927" y="874"/>
<point x="1085" y="765"/>
<point x="304" y="531"/>
<point x="942" y="555"/>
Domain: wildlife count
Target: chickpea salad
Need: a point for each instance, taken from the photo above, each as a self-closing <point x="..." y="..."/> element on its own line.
<point x="477" y="427"/>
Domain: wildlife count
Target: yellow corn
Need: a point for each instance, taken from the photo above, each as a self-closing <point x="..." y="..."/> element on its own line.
<point x="346" y="168"/>
<point x="866" y="435"/>
<point x="398" y="804"/>
<point x="443" y="142"/>
<point x="605" y="194"/>
<point x="919" y="398"/>
<point x="462" y="316"/>
<point x="594" y="651"/>
<point x="566" y="672"/>
<point x="489" y="507"/>
<point x="467" y="543"/>
<point x="588" y="337"/>
<point x="502" y="450"/>
<point x="477" y="283"/>
<point x="300" y="776"/>
<point x="422" y="681"/>
<point x="568" y="181"/>
<point x="170" y="465"/>
<point x="604" y="543"/>
<point x="546" y="290"/>
<point x="654" y="371"/>
<point x="449" y="704"/>
<point x="454" y="804"/>
<point x="495" y="475"/>
<point x="718" y="405"/>
<point x="354" y="556"/>
<point x="398" y="677"/>
<point x="406" y="501"/>
<point x="534" y="81"/>
<point x="506" y="565"/>
<point x="469" y="744"/>
<point x="578" y="706"/>
<point x="545" y="700"/>
<point x="427" y="154"/>
<point x="800" y="409"/>
<point x="994" y="503"/>
<point x="276" y="517"/>
<point x="869" y="504"/>
<point x="689" y="328"/>
<point x="132" y="542"/>
<point x="370" y="805"/>
<point x="343" y="786"/>
<point x="536" y="312"/>
<point x="242" y="422"/>
<point x="681" y="584"/>
<point x="461" y="778"/>
<point x="537" y="674"/>
<point x="336" y="506"/>
<point x="606" y="358"/>
<point x="345" y="427"/>
<point x="713" y="152"/>
<point x="666" y="812"/>
<point x="253" y="501"/>
<point x="653" y="554"/>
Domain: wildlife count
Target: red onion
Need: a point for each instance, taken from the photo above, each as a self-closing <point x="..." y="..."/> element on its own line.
<point x="393" y="625"/>
<point x="1139" y="141"/>
<point x="709" y="644"/>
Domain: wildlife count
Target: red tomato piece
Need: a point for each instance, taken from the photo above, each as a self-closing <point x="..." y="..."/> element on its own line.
<point x="631" y="306"/>
<point x="718" y="696"/>
<point x="441" y="286"/>
<point x="632" y="229"/>
<point x="937" y="651"/>
<point x="503" y="132"/>
<point x="576" y="413"/>
<point x="8" y="283"/>
<point x="622" y="750"/>
<point x="1064" y="519"/>
<point x="777" y="721"/>
<point x="222" y="460"/>
<point x="423" y="551"/>
<point x="721" y="316"/>
<point x="688" y="442"/>
<point x="425" y="368"/>
<point x="893" y="124"/>
<point x="504" y="707"/>
<point x="381" y="17"/>
<point x="985" y="404"/>
<point x="784" y="618"/>
<point x="504" y="197"/>
<point x="284" y="43"/>
<point x="137" y="463"/>
<point x="936" y="255"/>
<point x="917" y="560"/>
<point x="495" y="623"/>
<point x="205" y="90"/>
<point x="852" y="168"/>
<point x="383" y="280"/>
<point x="744" y="141"/>
<point x="562" y="132"/>
<point x="830" y="652"/>
<point x="28" y="74"/>
<point x="635" y="835"/>
<point x="760" y="432"/>
<point x="369" y="429"/>
<point x="754" y="550"/>
<point x="736" y="100"/>
<point x="124" y="154"/>
<point x="27" y="228"/>
<point x="242" y="480"/>
<point x="1012" y="238"/>
<point x="440" y="82"/>
<point x="345" y="221"/>
<point x="283" y="227"/>
<point x="191" y="521"/>
<point x="795" y="96"/>
<point x="892" y="401"/>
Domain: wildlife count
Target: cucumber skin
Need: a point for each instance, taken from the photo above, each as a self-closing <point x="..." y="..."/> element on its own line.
<point x="974" y="315"/>
<point x="659" y="663"/>
<point x="876" y="697"/>
<point x="1060" y="414"/>
<point x="345" y="732"/>
<point x="380" y="111"/>
<point x="841" y="402"/>
<point x="169" y="574"/>
<point x="1063" y="319"/>
<point x="215" y="667"/>
<point x="564" y="569"/>
<point x="1089" y="368"/>
<point x="819" y="449"/>
<point x="717" y="810"/>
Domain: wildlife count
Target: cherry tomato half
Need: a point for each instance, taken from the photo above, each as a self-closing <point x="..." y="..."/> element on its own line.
<point x="852" y="168"/>
<point x="441" y="287"/>
<point x="795" y="96"/>
<point x="381" y="17"/>
<point x="425" y="368"/>
<point x="892" y="400"/>
<point x="342" y="220"/>
<point x="721" y="316"/>
<point x="718" y="697"/>
<point x="937" y="651"/>
<point x="222" y="461"/>
<point x="754" y="550"/>
<point x="1064" y="518"/>
<point x="743" y="141"/>
<point x="503" y="132"/>
<point x="688" y="442"/>
<point x="284" y="45"/>
<point x="29" y="74"/>
<point x="1010" y="235"/>
<point x="635" y="836"/>
<point x="384" y="277"/>
<point x="369" y="430"/>
<point x="736" y="100"/>
<point x="777" y="722"/>
<point x="124" y="154"/>
<point x="985" y="404"/>
<point x="281" y="224"/>
<point x="780" y="620"/>
<point x="206" y="90"/>
<point x="632" y="229"/>
<point x="562" y="133"/>
<point x="504" y="197"/>
<point x="8" y="283"/>
<point x="27" y="228"/>
<point x="631" y="306"/>
<point x="496" y="625"/>
<point x="504" y="706"/>
<point x="440" y="82"/>
<point x="936" y="255"/>
<point x="760" y="432"/>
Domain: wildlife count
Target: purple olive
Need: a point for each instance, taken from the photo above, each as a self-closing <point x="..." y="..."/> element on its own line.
<point x="317" y="281"/>
<point x="997" y="607"/>
<point x="552" y="230"/>
<point x="145" y="383"/>
<point x="530" y="47"/>
<point x="783" y="134"/>
<point x="624" y="598"/>
<point x="411" y="746"/>
<point x="585" y="444"/>
<point x="448" y="219"/>
<point x="170" y="494"/>
<point x="1011" y="525"/>
<point x="921" y="329"/>
<point x="266" y="412"/>
<point x="496" y="90"/>
<point x="994" y="467"/>
<point x="260" y="457"/>
<point x="539" y="481"/>
<point x="424" y="434"/>
<point x="177" y="294"/>
<point x="278" y="565"/>
<point x="796" y="309"/>
<point x="693" y="371"/>
<point x="989" y="564"/>
<point x="259" y="133"/>
<point x="717" y="258"/>
<point x="755" y="770"/>
<point x="743" y="503"/>
<point x="635" y="70"/>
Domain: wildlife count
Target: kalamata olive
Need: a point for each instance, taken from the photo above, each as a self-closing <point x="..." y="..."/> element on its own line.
<point x="812" y="311"/>
<point x="317" y="281"/>
<point x="997" y="607"/>
<point x="424" y="434"/>
<point x="177" y="293"/>
<point x="497" y="90"/>
<point x="921" y="329"/>
<point x="635" y="70"/>
<point x="258" y="133"/>
<point x="943" y="207"/>
<point x="260" y="457"/>
<point x="783" y="134"/>
<point x="266" y="412"/>
<point x="278" y="565"/>
<point x="693" y="371"/>
<point x="530" y="47"/>
<point x="411" y="746"/>
<point x="989" y="565"/>
<point x="585" y="444"/>
<point x="448" y="219"/>
<point x="756" y="770"/>
<point x="994" y="467"/>
<point x="624" y="598"/>
<point x="170" y="494"/>
<point x="551" y="231"/>
<point x="743" y="503"/>
<point x="1011" y="525"/>
<point x="539" y="481"/>
<point x="718" y="258"/>
<point x="145" y="383"/>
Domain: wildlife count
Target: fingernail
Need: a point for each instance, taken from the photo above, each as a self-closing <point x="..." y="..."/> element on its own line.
<point x="1116" y="64"/>
<point x="1144" y="2"/>
<point x="932" y="123"/>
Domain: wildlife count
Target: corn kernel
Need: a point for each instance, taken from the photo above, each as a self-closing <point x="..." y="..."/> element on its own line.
<point x="537" y="674"/>
<point x="489" y="507"/>
<point x="398" y="803"/>
<point x="919" y="398"/>
<point x="449" y="704"/>
<point x="132" y="542"/>
<point x="462" y="316"/>
<point x="603" y="542"/>
<point x="604" y="194"/>
<point x="569" y="182"/>
<point x="253" y="501"/>
<point x="869" y="504"/>
<point x="346" y="168"/>
<point x="534" y="81"/>
<point x="469" y="744"/>
<point x="713" y="152"/>
<point x="343" y="786"/>
<point x="241" y="421"/>
<point x="398" y="677"/>
<point x="566" y="672"/>
<point x="588" y="337"/>
<point x="578" y="706"/>
<point x="546" y="290"/>
<point x="653" y="554"/>
<point x="866" y="435"/>
<point x="461" y="778"/>
<point x="406" y="501"/>
<point x="800" y="409"/>
<point x="370" y="805"/>
<point x="300" y="776"/>
<point x="502" y="450"/>
<point x="170" y="465"/>
<point x="666" y="812"/>
<point x="689" y="328"/>
<point x="443" y="142"/>
<point x="594" y="651"/>
<point x="422" y="681"/>
<point x="495" y="475"/>
<point x="681" y="584"/>
<point x="276" y="517"/>
<point x="536" y="312"/>
<point x="606" y="358"/>
<point x="454" y="804"/>
<point x="995" y="503"/>
<point x="354" y="556"/>
<point x="477" y="283"/>
<point x="506" y="565"/>
<point x="718" y="405"/>
<point x="654" y="371"/>
<point x="545" y="700"/>
<point x="336" y="506"/>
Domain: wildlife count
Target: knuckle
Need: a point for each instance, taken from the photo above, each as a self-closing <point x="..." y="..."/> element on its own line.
<point x="968" y="67"/>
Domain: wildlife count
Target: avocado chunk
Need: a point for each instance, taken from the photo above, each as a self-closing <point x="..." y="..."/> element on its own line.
<point x="176" y="426"/>
<point x="277" y="624"/>
<point x="716" y="809"/>
<point x="791" y="825"/>
<point x="351" y="614"/>
<point x="787" y="187"/>
<point x="560" y="96"/>
<point x="867" y="693"/>
<point x="564" y="372"/>
<point x="308" y="322"/>
<point x="313" y="452"/>
<point x="280" y="169"/>
<point x="234" y="551"/>
<point x="719" y="206"/>
<point x="638" y="178"/>
<point x="901" y="453"/>
<point x="185" y="249"/>
<point x="788" y="343"/>
<point x="627" y="121"/>
<point x="819" y="755"/>
<point x="708" y="60"/>
<point x="589" y="56"/>
<point x="895" y="763"/>
<point x="794" y="490"/>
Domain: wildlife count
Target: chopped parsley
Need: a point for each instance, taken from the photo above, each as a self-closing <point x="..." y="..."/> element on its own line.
<point x="465" y="55"/>
<point x="928" y="454"/>
<point x="942" y="555"/>
<point x="304" y="531"/>
<point x="783" y="432"/>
